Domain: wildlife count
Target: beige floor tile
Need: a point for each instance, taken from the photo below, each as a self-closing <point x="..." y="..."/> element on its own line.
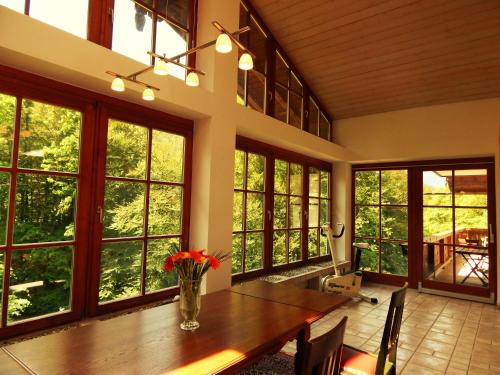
<point x="429" y="361"/>
<point x="411" y="369"/>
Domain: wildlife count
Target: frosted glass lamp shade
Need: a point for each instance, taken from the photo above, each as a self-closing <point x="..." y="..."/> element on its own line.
<point x="118" y="84"/>
<point x="161" y="67"/>
<point x="148" y="94"/>
<point x="223" y="44"/>
<point x="246" y="62"/>
<point x="192" y="79"/>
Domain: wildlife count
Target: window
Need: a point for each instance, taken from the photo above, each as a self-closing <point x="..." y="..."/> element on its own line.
<point x="280" y="202"/>
<point x="381" y="219"/>
<point x="143" y="210"/>
<point x="252" y="83"/>
<point x="39" y="190"/>
<point x="248" y="212"/>
<point x="160" y="26"/>
<point x="70" y="16"/>
<point x="274" y="86"/>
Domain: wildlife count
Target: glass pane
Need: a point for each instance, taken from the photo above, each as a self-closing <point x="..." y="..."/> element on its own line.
<point x="45" y="209"/>
<point x="49" y="138"/>
<point x="167" y="157"/>
<point x="471" y="226"/>
<point x="255" y="173"/>
<point x="4" y="205"/>
<point x="437" y="188"/>
<point x="7" y="124"/>
<point x="295" y="212"/>
<point x="314" y="182"/>
<point x="394" y="187"/>
<point x="17" y="5"/>
<point x="280" y="176"/>
<point x="280" y="103"/>
<point x="254" y="251"/>
<point x="295" y="179"/>
<point x="281" y="72"/>
<point x="177" y="9"/>
<point x="70" y="16"/>
<point x="123" y="209"/>
<point x="280" y="209"/>
<point x="472" y="266"/>
<point x="313" y="212"/>
<point x="2" y="259"/>
<point x="395" y="223"/>
<point x="295" y="110"/>
<point x="165" y="209"/>
<point x="325" y="184"/>
<point x="471" y="187"/>
<point x="243" y="18"/>
<point x="239" y="169"/>
<point x="238" y="211"/>
<point x="367" y="187"/>
<point x="369" y="257"/>
<point x="156" y="277"/>
<point x="324" y="248"/>
<point x="279" y="247"/>
<point x="40" y="282"/>
<point x="313" y="249"/>
<point x="132" y="30"/>
<point x="324" y="127"/>
<point x="258" y="45"/>
<point x="256" y="90"/>
<point x="313" y="117"/>
<point x="438" y="224"/>
<point x="367" y="221"/>
<point x="438" y="262"/>
<point x="120" y="270"/>
<point x="395" y="258"/>
<point x="255" y="211"/>
<point x="295" y="84"/>
<point x="240" y="95"/>
<point x="324" y="214"/>
<point x="127" y="148"/>
<point x="236" y="256"/>
<point x="171" y="41"/>
<point x="295" y="246"/>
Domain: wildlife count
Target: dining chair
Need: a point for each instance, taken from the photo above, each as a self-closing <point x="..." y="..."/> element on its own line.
<point x="322" y="356"/>
<point x="359" y="362"/>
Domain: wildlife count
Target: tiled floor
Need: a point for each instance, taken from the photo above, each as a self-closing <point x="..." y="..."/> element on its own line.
<point x="439" y="335"/>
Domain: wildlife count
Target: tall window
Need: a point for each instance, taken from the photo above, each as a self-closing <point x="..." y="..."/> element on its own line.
<point x="142" y="220"/>
<point x="161" y="26"/>
<point x="252" y="83"/>
<point x="381" y="219"/>
<point x="70" y="16"/>
<point x="280" y="202"/>
<point x="320" y="201"/>
<point x="248" y="212"/>
<point x="39" y="186"/>
<point x="288" y="94"/>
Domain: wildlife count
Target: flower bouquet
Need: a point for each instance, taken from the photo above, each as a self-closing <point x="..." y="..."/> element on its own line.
<point x="190" y="266"/>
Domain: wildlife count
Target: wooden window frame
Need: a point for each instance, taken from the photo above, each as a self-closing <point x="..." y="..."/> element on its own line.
<point x="273" y="153"/>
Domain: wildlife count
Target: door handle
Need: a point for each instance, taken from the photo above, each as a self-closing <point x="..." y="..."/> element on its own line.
<point x="492" y="234"/>
<point x="100" y="212"/>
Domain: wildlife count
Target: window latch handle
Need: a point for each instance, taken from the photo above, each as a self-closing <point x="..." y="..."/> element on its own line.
<point x="306" y="215"/>
<point x="269" y="215"/>
<point x="111" y="13"/>
<point x="492" y="234"/>
<point x="100" y="212"/>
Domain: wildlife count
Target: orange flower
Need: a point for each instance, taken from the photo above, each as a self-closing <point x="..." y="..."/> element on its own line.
<point x="214" y="262"/>
<point x="198" y="256"/>
<point x="169" y="264"/>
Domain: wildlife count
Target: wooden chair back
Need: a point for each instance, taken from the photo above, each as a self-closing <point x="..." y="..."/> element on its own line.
<point x="322" y="355"/>
<point x="389" y="343"/>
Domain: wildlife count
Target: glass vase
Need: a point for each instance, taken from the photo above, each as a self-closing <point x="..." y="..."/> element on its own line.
<point x="189" y="304"/>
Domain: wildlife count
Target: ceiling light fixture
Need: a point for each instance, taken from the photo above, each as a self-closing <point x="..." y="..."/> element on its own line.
<point x="223" y="44"/>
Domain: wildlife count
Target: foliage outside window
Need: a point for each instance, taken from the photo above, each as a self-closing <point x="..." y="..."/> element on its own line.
<point x="277" y="212"/>
<point x="70" y="16"/>
<point x="143" y="208"/>
<point x="273" y="87"/>
<point x="39" y="163"/>
<point x="161" y="26"/>
<point x="381" y="219"/>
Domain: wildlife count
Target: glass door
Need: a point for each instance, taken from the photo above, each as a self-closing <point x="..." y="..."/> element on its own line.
<point x="143" y="208"/>
<point x="457" y="229"/>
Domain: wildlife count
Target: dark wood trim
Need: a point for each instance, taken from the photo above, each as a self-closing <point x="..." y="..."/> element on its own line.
<point x="444" y="163"/>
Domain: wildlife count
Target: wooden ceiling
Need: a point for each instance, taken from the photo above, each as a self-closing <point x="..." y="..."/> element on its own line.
<point x="370" y="56"/>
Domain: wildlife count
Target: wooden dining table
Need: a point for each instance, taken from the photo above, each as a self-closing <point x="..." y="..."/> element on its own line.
<point x="237" y="326"/>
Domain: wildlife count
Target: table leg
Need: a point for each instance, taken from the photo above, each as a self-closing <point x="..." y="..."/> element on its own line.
<point x="302" y="337"/>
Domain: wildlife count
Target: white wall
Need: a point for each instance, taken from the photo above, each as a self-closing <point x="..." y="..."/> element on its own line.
<point x="458" y="130"/>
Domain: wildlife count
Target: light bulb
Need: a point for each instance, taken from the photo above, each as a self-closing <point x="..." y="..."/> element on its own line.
<point x="118" y="84"/>
<point x="223" y="44"/>
<point x="246" y="62"/>
<point x="148" y="94"/>
<point x="192" y="79"/>
<point x="161" y="67"/>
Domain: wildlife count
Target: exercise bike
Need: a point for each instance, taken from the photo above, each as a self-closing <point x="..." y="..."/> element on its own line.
<point x="349" y="283"/>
